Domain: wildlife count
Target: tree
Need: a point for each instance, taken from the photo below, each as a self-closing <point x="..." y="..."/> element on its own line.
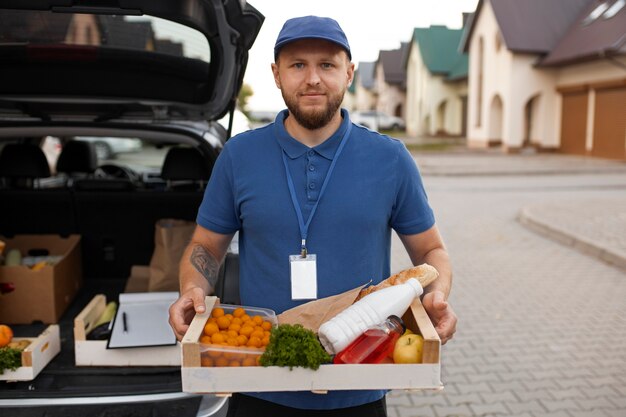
<point x="242" y="100"/>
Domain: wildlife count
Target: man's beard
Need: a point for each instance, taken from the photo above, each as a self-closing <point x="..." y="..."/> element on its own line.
<point x="314" y="120"/>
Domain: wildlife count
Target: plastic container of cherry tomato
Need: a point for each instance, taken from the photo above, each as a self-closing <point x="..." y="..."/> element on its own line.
<point x="235" y="335"/>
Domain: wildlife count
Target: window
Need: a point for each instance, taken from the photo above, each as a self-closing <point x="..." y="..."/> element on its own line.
<point x="614" y="9"/>
<point x="146" y="33"/>
<point x="596" y="13"/>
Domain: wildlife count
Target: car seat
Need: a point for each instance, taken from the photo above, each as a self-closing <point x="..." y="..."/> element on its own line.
<point x="22" y="165"/>
<point x="185" y="168"/>
<point x="78" y="159"/>
<point x="27" y="206"/>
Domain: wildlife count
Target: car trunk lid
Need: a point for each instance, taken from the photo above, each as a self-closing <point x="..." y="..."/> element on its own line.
<point x="123" y="60"/>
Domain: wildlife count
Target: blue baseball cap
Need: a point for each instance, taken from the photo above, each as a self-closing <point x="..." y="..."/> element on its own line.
<point x="311" y="27"/>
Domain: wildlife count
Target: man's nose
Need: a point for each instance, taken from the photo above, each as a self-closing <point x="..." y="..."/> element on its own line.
<point x="312" y="76"/>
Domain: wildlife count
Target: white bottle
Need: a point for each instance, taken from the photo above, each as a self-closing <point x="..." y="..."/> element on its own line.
<point x="337" y="333"/>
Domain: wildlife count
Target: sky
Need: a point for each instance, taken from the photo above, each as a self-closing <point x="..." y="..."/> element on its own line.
<point x="370" y="25"/>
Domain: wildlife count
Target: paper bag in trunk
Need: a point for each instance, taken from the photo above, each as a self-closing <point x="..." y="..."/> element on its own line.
<point x="171" y="237"/>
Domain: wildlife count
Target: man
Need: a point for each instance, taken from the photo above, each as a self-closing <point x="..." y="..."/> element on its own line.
<point x="314" y="198"/>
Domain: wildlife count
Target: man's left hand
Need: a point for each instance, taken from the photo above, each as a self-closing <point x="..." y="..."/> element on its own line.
<point x="441" y="314"/>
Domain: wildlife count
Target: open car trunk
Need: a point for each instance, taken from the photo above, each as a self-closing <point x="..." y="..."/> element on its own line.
<point x="78" y="79"/>
<point x="114" y="212"/>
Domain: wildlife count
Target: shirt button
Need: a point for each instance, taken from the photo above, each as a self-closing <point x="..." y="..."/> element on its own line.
<point x="312" y="186"/>
<point x="311" y="152"/>
<point x="311" y="168"/>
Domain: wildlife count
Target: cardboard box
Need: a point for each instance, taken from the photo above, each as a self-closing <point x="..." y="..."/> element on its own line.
<point x="95" y="352"/>
<point x="226" y="380"/>
<point x="36" y="356"/>
<point x="45" y="294"/>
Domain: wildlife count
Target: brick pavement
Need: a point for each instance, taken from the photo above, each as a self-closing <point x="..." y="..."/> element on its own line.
<point x="596" y="227"/>
<point x="542" y="327"/>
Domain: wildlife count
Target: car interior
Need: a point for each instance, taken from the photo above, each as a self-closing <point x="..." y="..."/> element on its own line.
<point x="113" y="207"/>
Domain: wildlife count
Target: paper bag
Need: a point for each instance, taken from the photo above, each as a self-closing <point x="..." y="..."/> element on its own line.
<point x="314" y="313"/>
<point x="171" y="237"/>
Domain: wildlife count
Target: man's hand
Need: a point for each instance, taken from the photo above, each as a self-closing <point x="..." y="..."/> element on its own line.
<point x="441" y="314"/>
<point x="184" y="309"/>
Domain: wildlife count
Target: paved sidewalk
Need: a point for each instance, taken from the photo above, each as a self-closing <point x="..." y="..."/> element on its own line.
<point x="542" y="328"/>
<point x="482" y="162"/>
<point x="594" y="227"/>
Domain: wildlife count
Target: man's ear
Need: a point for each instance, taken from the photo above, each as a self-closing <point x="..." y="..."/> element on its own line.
<point x="350" y="73"/>
<point x="276" y="75"/>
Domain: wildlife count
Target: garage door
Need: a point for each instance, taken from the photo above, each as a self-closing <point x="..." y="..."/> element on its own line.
<point x="574" y="123"/>
<point x="609" y="126"/>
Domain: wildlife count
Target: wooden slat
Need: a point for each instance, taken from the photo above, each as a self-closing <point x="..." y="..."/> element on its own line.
<point x="84" y="322"/>
<point x="95" y="353"/>
<point x="191" y="347"/>
<point x="432" y="343"/>
<point x="328" y="377"/>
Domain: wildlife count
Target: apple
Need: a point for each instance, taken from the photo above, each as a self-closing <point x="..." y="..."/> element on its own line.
<point x="408" y="349"/>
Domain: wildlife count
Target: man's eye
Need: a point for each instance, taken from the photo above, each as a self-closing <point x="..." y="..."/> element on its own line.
<point x="327" y="65"/>
<point x="298" y="65"/>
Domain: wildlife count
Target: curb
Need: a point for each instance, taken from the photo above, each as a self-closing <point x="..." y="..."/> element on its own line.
<point x="580" y="243"/>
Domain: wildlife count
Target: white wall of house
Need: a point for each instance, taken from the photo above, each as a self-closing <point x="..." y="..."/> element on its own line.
<point x="389" y="96"/>
<point x="534" y="88"/>
<point x="591" y="72"/>
<point x="433" y="104"/>
<point x="414" y="73"/>
<point x="488" y="118"/>
<point x="364" y="99"/>
<point x="349" y="101"/>
<point x="519" y="103"/>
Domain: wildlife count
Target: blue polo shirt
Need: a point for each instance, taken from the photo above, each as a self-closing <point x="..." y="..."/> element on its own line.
<point x="375" y="186"/>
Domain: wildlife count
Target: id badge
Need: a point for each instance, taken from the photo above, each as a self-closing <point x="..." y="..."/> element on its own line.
<point x="303" y="277"/>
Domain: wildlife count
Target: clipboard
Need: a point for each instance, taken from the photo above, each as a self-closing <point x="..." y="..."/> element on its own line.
<point x="141" y="320"/>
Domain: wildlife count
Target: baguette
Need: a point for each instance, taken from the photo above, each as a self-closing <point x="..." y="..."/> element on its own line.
<point x="424" y="273"/>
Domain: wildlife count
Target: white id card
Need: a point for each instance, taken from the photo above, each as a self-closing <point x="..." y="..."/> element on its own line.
<point x="303" y="277"/>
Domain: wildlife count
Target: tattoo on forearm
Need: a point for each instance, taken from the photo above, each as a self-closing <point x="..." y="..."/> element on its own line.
<point x="206" y="264"/>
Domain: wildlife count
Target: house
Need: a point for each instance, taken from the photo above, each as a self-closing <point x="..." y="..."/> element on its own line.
<point x="362" y="88"/>
<point x="118" y="32"/>
<point x="390" y="81"/>
<point x="548" y="74"/>
<point x="436" y="83"/>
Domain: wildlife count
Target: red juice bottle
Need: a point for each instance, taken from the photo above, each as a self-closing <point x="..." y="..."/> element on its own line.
<point x="374" y="345"/>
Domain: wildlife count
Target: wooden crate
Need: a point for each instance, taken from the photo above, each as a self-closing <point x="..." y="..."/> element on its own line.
<point x="225" y="380"/>
<point x="95" y="352"/>
<point x="36" y="355"/>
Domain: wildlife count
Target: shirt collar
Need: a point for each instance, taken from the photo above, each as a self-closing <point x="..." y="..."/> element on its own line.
<point x="294" y="149"/>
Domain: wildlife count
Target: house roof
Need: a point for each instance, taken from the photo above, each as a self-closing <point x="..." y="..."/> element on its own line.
<point x="459" y="69"/>
<point x="531" y="26"/>
<point x="393" y="65"/>
<point x="439" y="48"/>
<point x="591" y="38"/>
<point x="366" y="74"/>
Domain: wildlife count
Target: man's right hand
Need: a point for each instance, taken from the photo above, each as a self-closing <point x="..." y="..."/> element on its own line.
<point x="185" y="308"/>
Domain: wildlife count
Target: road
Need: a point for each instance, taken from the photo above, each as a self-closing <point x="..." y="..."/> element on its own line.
<point x="542" y="327"/>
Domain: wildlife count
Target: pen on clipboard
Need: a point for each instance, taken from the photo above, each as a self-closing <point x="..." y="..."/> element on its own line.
<point x="124" y="322"/>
